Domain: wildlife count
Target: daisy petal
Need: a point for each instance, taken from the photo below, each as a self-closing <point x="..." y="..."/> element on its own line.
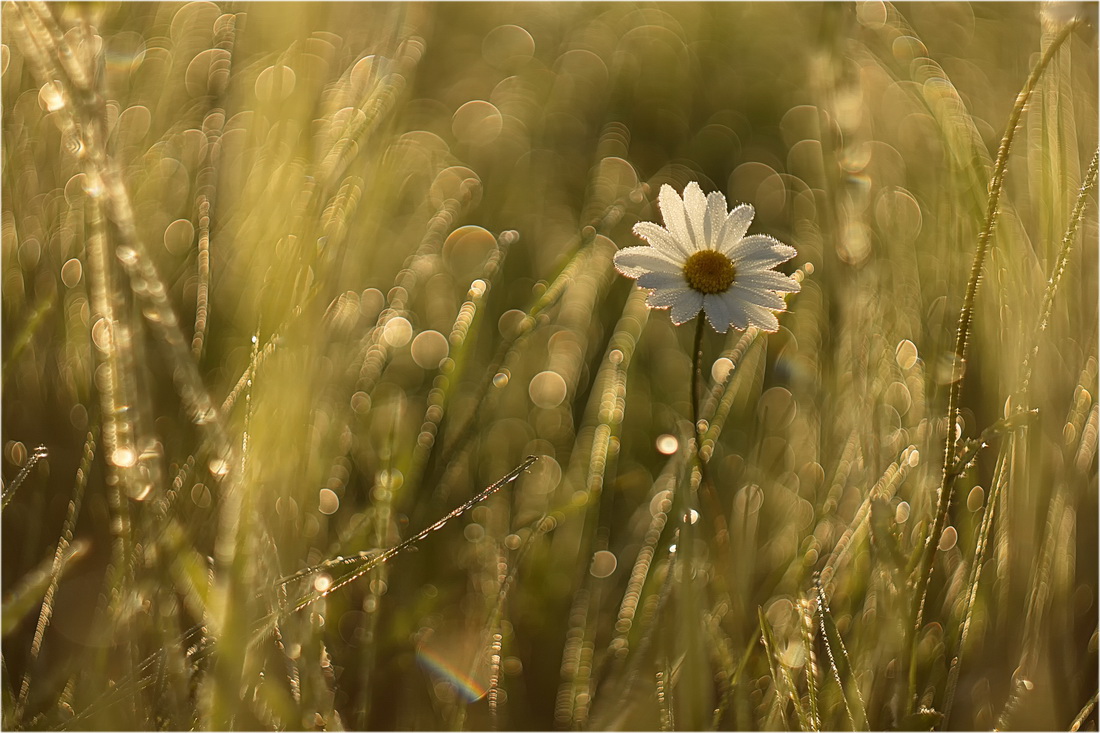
<point x="768" y="280"/>
<point x="739" y="318"/>
<point x="762" y="318"/>
<point x="637" y="261"/>
<point x="763" y="298"/>
<point x="666" y="298"/>
<point x="695" y="206"/>
<point x="687" y="306"/>
<point x="672" y="210"/>
<point x="718" y="312"/>
<point x="660" y="238"/>
<point x="759" y="251"/>
<point x="662" y="280"/>
<point x="716" y="214"/>
<point x="734" y="228"/>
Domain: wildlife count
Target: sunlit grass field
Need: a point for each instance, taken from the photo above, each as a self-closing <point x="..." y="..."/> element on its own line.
<point x="286" y="284"/>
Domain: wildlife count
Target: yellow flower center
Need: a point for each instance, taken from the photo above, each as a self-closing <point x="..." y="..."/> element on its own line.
<point x="709" y="271"/>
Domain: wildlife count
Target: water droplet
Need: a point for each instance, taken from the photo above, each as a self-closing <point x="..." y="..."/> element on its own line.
<point x="93" y="186"/>
<point x="901" y="514"/>
<point x="328" y="502"/>
<point x="51" y="97"/>
<point x="500" y="379"/>
<point x="667" y="444"/>
<point x="547" y="389"/>
<point x="906" y="354"/>
<point x="603" y="564"/>
<point x="397" y="332"/>
<point x="721" y="369"/>
<point x="429" y="348"/>
<point x="205" y="417"/>
<point x="218" y="466"/>
<point x="124" y="457"/>
<point x="948" y="539"/>
<point x="322" y="583"/>
<point x="975" y="499"/>
<point x="71" y="273"/>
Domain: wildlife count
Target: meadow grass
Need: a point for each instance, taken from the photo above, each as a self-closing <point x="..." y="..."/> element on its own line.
<point x="325" y="407"/>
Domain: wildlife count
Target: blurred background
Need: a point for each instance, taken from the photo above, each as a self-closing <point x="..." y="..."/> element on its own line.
<point x="284" y="283"/>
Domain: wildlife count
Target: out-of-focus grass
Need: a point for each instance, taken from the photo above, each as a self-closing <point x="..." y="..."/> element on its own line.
<point x="286" y="283"/>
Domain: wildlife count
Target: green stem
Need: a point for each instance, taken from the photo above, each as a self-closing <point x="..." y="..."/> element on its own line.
<point x="690" y="701"/>
<point x="697" y="383"/>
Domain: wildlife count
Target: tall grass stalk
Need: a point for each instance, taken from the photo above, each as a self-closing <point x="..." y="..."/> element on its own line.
<point x="958" y="364"/>
<point x="292" y="289"/>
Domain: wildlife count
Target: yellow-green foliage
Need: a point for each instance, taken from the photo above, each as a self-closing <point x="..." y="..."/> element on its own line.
<point x="285" y="284"/>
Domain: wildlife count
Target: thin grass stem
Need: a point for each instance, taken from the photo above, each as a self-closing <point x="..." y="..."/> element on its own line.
<point x="962" y="336"/>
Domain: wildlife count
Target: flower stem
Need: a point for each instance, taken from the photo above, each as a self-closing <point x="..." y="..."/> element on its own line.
<point x="697" y="382"/>
<point x="691" y="696"/>
<point x="708" y="495"/>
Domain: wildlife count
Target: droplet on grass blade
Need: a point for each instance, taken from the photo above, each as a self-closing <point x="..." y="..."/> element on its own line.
<point x="507" y="46"/>
<point x="124" y="457"/>
<point x="428" y="349"/>
<point x="50" y="96"/>
<point x="906" y="354"/>
<point x="667" y="444"/>
<point x="275" y="83"/>
<point x="975" y="499"/>
<point x="547" y="389"/>
<point x="327" y="501"/>
<point x="477" y="122"/>
<point x="721" y="369"/>
<point x="397" y="332"/>
<point x="603" y="564"/>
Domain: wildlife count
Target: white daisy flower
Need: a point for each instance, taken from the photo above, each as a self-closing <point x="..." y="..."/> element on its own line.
<point x="702" y="260"/>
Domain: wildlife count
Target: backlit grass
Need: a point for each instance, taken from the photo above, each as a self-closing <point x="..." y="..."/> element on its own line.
<point x="286" y="285"/>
